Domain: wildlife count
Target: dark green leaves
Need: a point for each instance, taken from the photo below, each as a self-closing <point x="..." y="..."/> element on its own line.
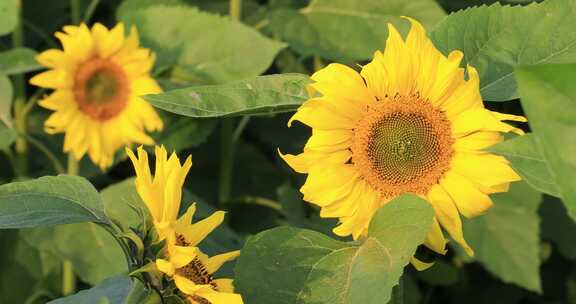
<point x="494" y="39"/>
<point x="289" y="265"/>
<point x="347" y="30"/>
<point x="525" y="156"/>
<point x="506" y="239"/>
<point x="5" y="101"/>
<point x="205" y="48"/>
<point x="17" y="61"/>
<point x="548" y="96"/>
<point x="117" y="290"/>
<point x="261" y="95"/>
<point x="50" y="200"/>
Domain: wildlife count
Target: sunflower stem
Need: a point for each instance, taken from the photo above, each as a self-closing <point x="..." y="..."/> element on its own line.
<point x="227" y="150"/>
<point x="20" y="113"/>
<point x="318" y="64"/>
<point x="68" y="279"/>
<point x="398" y="292"/>
<point x="72" y="165"/>
<point x="75" y="11"/>
<point x="236" y="9"/>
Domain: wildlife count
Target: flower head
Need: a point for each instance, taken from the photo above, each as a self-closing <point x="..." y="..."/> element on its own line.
<point x="410" y="122"/>
<point x="97" y="79"/>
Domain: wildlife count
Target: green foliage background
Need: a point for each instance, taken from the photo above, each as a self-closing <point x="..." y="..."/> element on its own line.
<point x="249" y="75"/>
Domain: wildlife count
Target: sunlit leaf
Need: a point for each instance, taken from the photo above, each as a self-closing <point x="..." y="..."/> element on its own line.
<point x="8" y="15"/>
<point x="347" y="30"/>
<point x="5" y="101"/>
<point x="506" y="240"/>
<point x="205" y="47"/>
<point x="50" y="200"/>
<point x="525" y="156"/>
<point x="260" y="95"/>
<point x="317" y="269"/>
<point x="496" y="38"/>
<point x="17" y="61"/>
<point x="548" y="96"/>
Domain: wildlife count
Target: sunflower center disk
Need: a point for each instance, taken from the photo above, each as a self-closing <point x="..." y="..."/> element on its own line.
<point x="403" y="145"/>
<point x="101" y="89"/>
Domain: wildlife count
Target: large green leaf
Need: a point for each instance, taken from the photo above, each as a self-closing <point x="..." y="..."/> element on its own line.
<point x="7" y="136"/>
<point x="8" y="15"/>
<point x="548" y="97"/>
<point x="17" y="61"/>
<point x="181" y="133"/>
<point x="261" y="95"/>
<point x="50" y="200"/>
<point x="506" y="239"/>
<point x="205" y="47"/>
<point x="96" y="246"/>
<point x="116" y="290"/>
<point x="5" y="100"/>
<point x="347" y="30"/>
<point x="494" y="39"/>
<point x="525" y="156"/>
<point x="289" y="265"/>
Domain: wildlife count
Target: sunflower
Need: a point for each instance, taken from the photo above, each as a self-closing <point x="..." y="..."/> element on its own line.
<point x="161" y="192"/>
<point x="97" y="79"/>
<point x="410" y="122"/>
<point x="192" y="270"/>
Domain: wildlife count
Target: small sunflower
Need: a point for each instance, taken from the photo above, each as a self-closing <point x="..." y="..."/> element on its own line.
<point x="410" y="122"/>
<point x="192" y="270"/>
<point x="161" y="192"/>
<point x="97" y="79"/>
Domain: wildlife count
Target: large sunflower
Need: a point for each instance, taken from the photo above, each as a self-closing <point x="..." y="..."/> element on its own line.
<point x="410" y="122"/>
<point x="97" y="80"/>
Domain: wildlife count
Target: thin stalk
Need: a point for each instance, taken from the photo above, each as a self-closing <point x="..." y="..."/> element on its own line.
<point x="90" y="10"/>
<point x="20" y="113"/>
<point x="68" y="279"/>
<point x="72" y="165"/>
<point x="240" y="128"/>
<point x="398" y="292"/>
<point x="236" y="9"/>
<point x="75" y="11"/>
<point x="227" y="150"/>
<point x="318" y="64"/>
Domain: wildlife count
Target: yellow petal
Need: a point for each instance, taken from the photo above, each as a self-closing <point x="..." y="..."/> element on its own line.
<point x="465" y="97"/>
<point x="214" y="263"/>
<point x="326" y="184"/>
<point x="448" y="215"/>
<point x="485" y="169"/>
<point x="435" y="239"/>
<point x="165" y="266"/>
<point x="319" y="113"/>
<point x="302" y="163"/>
<point x="419" y="265"/>
<point x="195" y="233"/>
<point x="220" y="297"/>
<point x="477" y="141"/>
<point x="467" y="197"/>
<point x="343" y="86"/>
<point x="329" y="140"/>
<point x="225" y="285"/>
<point x="53" y="79"/>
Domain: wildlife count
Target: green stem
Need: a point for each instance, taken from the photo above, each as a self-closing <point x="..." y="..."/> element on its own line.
<point x="75" y="11"/>
<point x="20" y="113"/>
<point x="236" y="9"/>
<point x="398" y="292"/>
<point x="318" y="64"/>
<point x="226" y="159"/>
<point x="90" y="10"/>
<point x="240" y="128"/>
<point x="58" y="167"/>
<point x="68" y="278"/>
<point x="72" y="165"/>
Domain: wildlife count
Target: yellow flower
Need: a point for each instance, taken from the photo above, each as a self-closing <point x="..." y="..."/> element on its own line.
<point x="97" y="79"/>
<point x="162" y="192"/>
<point x="409" y="123"/>
<point x="191" y="269"/>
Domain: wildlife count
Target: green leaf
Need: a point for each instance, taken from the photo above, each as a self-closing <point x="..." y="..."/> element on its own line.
<point x="549" y="100"/>
<point x="496" y="38"/>
<point x="7" y="137"/>
<point x="50" y="200"/>
<point x="8" y="16"/>
<point x="558" y="227"/>
<point x="261" y="95"/>
<point x="18" y="61"/>
<point x="96" y="246"/>
<point x="5" y="100"/>
<point x="314" y="268"/>
<point x="114" y="291"/>
<point x="347" y="30"/>
<point x="525" y="156"/>
<point x="506" y="239"/>
<point x="205" y="47"/>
